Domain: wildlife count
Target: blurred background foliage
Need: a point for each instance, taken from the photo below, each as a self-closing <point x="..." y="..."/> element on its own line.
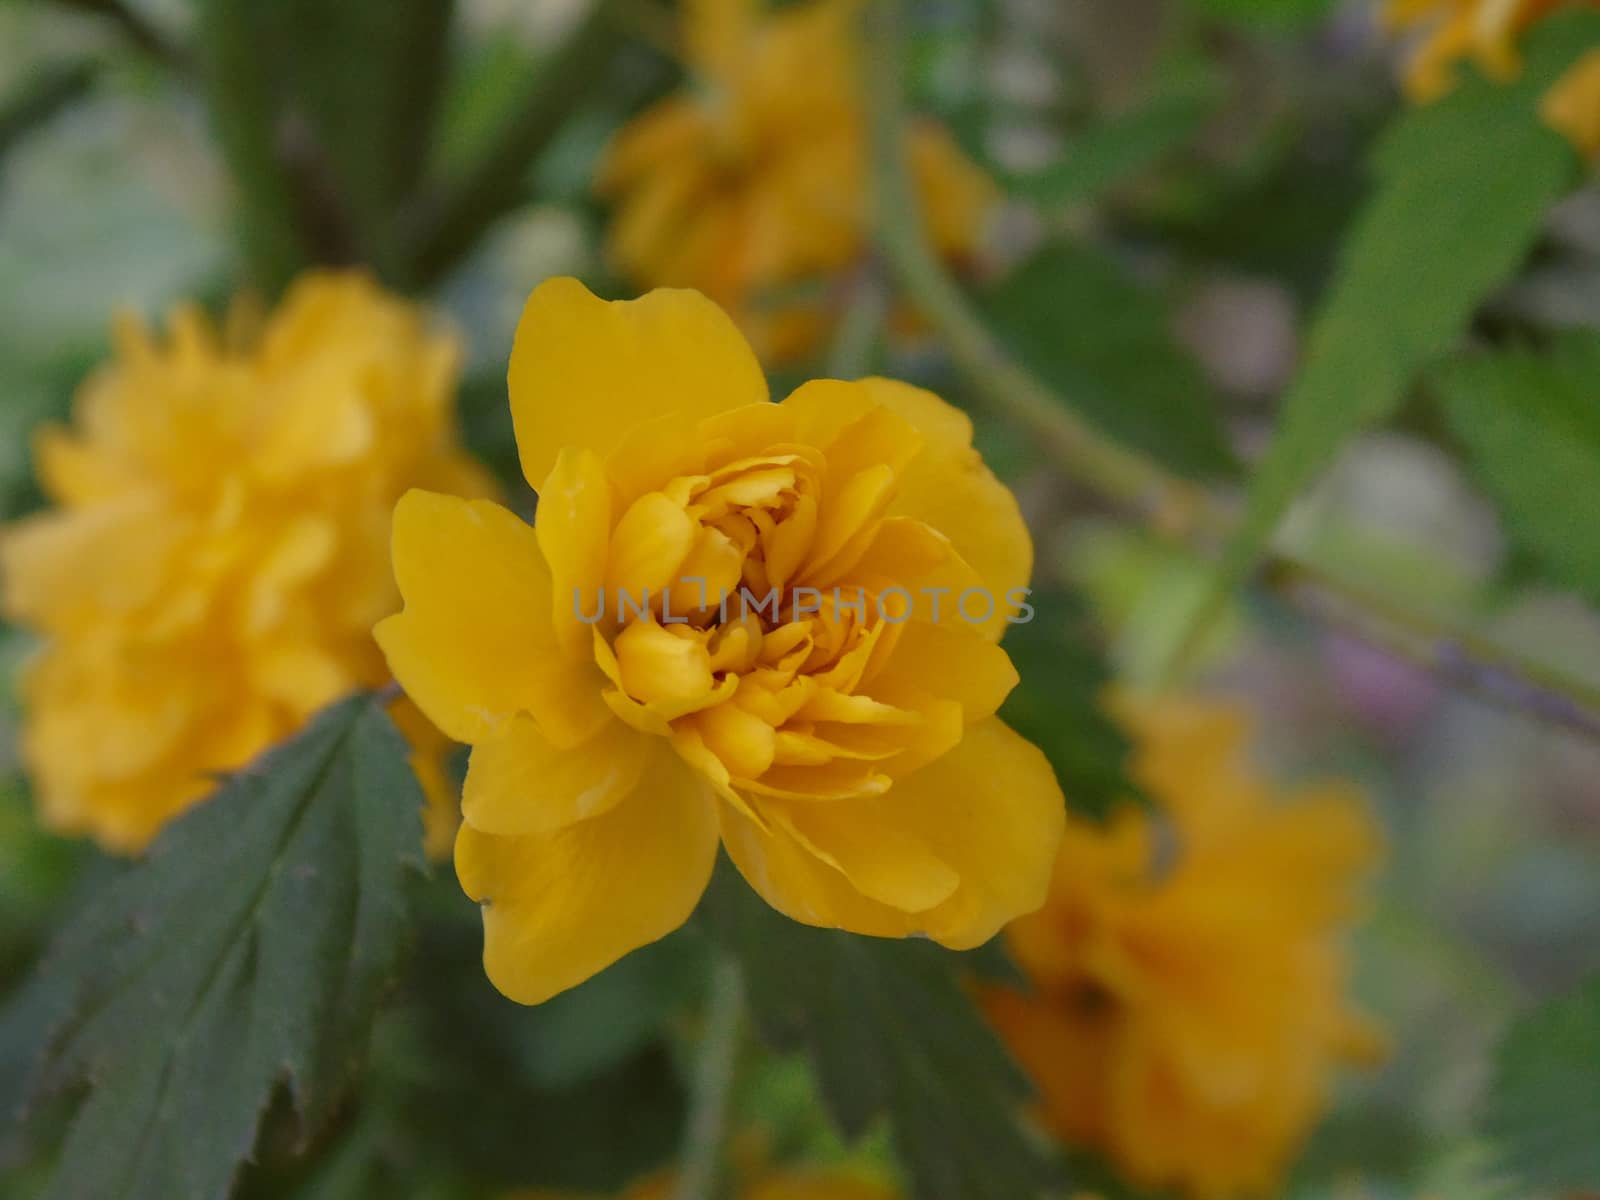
<point x="1181" y="176"/>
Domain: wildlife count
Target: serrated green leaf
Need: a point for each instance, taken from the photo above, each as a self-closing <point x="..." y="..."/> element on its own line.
<point x="1057" y="703"/>
<point x="892" y="1034"/>
<point x="1531" y="423"/>
<point x="1462" y="189"/>
<point x="1076" y="319"/>
<point x="245" y="953"/>
<point x="1543" y="1107"/>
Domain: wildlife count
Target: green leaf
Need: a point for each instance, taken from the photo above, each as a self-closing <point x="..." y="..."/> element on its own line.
<point x="1531" y="423"/>
<point x="1462" y="188"/>
<point x="1056" y="706"/>
<point x="1121" y="146"/>
<point x="244" y="954"/>
<point x="891" y="1033"/>
<point x="1543" y="1116"/>
<point x="1076" y="319"/>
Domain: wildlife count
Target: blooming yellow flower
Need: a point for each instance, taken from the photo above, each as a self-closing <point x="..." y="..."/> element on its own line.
<point x="217" y="550"/>
<point x="754" y="183"/>
<point x="773" y="625"/>
<point x="1188" y="975"/>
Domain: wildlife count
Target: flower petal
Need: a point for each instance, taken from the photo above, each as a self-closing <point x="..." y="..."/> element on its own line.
<point x="474" y="645"/>
<point x="573" y="524"/>
<point x="992" y="809"/>
<point x="949" y="486"/>
<point x="519" y="783"/>
<point x="584" y="370"/>
<point x="561" y="907"/>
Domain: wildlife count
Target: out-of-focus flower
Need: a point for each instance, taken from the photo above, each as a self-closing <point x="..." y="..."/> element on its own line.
<point x="1448" y="31"/>
<point x="1572" y="105"/>
<point x="773" y="625"/>
<point x="1486" y="31"/>
<point x="752" y="186"/>
<point x="217" y="549"/>
<point x="1188" y="971"/>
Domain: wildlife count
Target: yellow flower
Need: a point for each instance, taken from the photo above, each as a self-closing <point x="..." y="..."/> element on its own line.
<point x="1572" y="105"/>
<point x="702" y="638"/>
<point x="753" y="184"/>
<point x="1188" y="969"/>
<point x="217" y="551"/>
<point x="1448" y="31"/>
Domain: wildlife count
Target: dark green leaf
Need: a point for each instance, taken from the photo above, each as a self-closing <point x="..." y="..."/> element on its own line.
<point x="1057" y="704"/>
<point x="1531" y="423"/>
<point x="1543" y="1116"/>
<point x="891" y="1033"/>
<point x="1462" y="189"/>
<point x="245" y="954"/>
<point x="1077" y="320"/>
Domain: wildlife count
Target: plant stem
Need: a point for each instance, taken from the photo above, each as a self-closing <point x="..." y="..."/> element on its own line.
<point x="1456" y="657"/>
<point x="448" y="219"/>
<point x="1132" y="482"/>
<point x="1123" y="477"/>
<point x="706" y="1129"/>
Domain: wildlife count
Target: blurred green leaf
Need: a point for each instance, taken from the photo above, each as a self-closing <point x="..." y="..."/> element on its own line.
<point x="1119" y="147"/>
<point x="1543" y="1115"/>
<point x="243" y="955"/>
<point x="1056" y="706"/>
<point x="50" y="90"/>
<point x="1078" y="321"/>
<point x="1530" y="421"/>
<point x="576" y="1093"/>
<point x="892" y="1033"/>
<point x="1463" y="186"/>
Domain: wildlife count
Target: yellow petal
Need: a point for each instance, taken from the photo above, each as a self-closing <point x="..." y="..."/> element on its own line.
<point x="800" y="885"/>
<point x="949" y="659"/>
<point x="560" y="907"/>
<point x="950" y="488"/>
<point x="573" y="524"/>
<point x="991" y="809"/>
<point x="584" y="371"/>
<point x="887" y="865"/>
<point x="474" y="644"/>
<point x="1572" y="105"/>
<point x="519" y="783"/>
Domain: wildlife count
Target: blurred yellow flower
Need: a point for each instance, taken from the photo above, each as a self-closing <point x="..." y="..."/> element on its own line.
<point x="1188" y="971"/>
<point x="1449" y="31"/>
<point x="752" y="185"/>
<point x="773" y="625"/>
<point x="217" y="549"/>
<point x="1572" y="105"/>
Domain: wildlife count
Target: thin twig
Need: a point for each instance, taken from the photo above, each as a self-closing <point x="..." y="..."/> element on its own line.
<point x="706" y="1130"/>
<point x="1456" y="657"/>
<point x="1133" y="482"/>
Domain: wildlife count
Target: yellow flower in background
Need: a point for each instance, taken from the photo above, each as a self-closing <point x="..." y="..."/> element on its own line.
<point x="769" y="625"/>
<point x="752" y="185"/>
<point x="217" y="547"/>
<point x="1448" y="31"/>
<point x="1188" y="970"/>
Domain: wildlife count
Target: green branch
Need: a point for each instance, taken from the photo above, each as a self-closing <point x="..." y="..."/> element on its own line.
<point x="1134" y="483"/>
<point x="706" y="1130"/>
<point x="448" y="220"/>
